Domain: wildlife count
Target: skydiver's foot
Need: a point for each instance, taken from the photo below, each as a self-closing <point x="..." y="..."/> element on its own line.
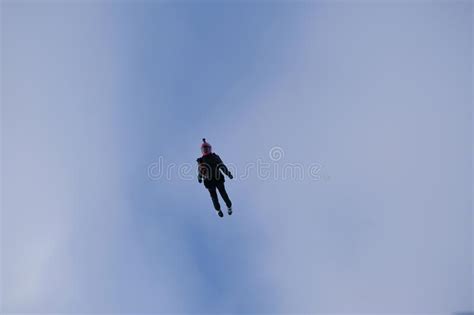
<point x="219" y="213"/>
<point x="229" y="210"/>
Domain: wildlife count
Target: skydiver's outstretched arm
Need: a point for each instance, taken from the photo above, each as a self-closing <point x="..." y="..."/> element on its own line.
<point x="224" y="168"/>
<point x="199" y="171"/>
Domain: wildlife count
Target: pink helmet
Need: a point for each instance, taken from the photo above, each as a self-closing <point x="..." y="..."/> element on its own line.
<point x="206" y="148"/>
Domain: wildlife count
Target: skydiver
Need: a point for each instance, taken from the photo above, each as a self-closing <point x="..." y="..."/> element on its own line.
<point x="210" y="168"/>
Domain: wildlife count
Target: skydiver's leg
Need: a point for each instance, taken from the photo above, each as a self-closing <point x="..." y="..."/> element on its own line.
<point x="215" y="200"/>
<point x="223" y="192"/>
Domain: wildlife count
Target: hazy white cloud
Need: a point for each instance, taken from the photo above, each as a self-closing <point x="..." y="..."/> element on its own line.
<point x="68" y="239"/>
<point x="380" y="96"/>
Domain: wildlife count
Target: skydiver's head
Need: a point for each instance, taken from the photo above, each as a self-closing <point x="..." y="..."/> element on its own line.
<point x="205" y="148"/>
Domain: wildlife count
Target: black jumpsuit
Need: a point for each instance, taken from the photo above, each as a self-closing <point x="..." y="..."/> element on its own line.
<point x="209" y="169"/>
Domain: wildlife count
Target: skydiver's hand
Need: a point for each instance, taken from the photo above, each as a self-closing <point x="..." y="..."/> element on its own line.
<point x="199" y="180"/>
<point x="231" y="176"/>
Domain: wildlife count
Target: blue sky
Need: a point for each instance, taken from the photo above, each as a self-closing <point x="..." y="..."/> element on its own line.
<point x="378" y="94"/>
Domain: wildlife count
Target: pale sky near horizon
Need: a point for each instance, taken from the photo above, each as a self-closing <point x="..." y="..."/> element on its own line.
<point x="378" y="94"/>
